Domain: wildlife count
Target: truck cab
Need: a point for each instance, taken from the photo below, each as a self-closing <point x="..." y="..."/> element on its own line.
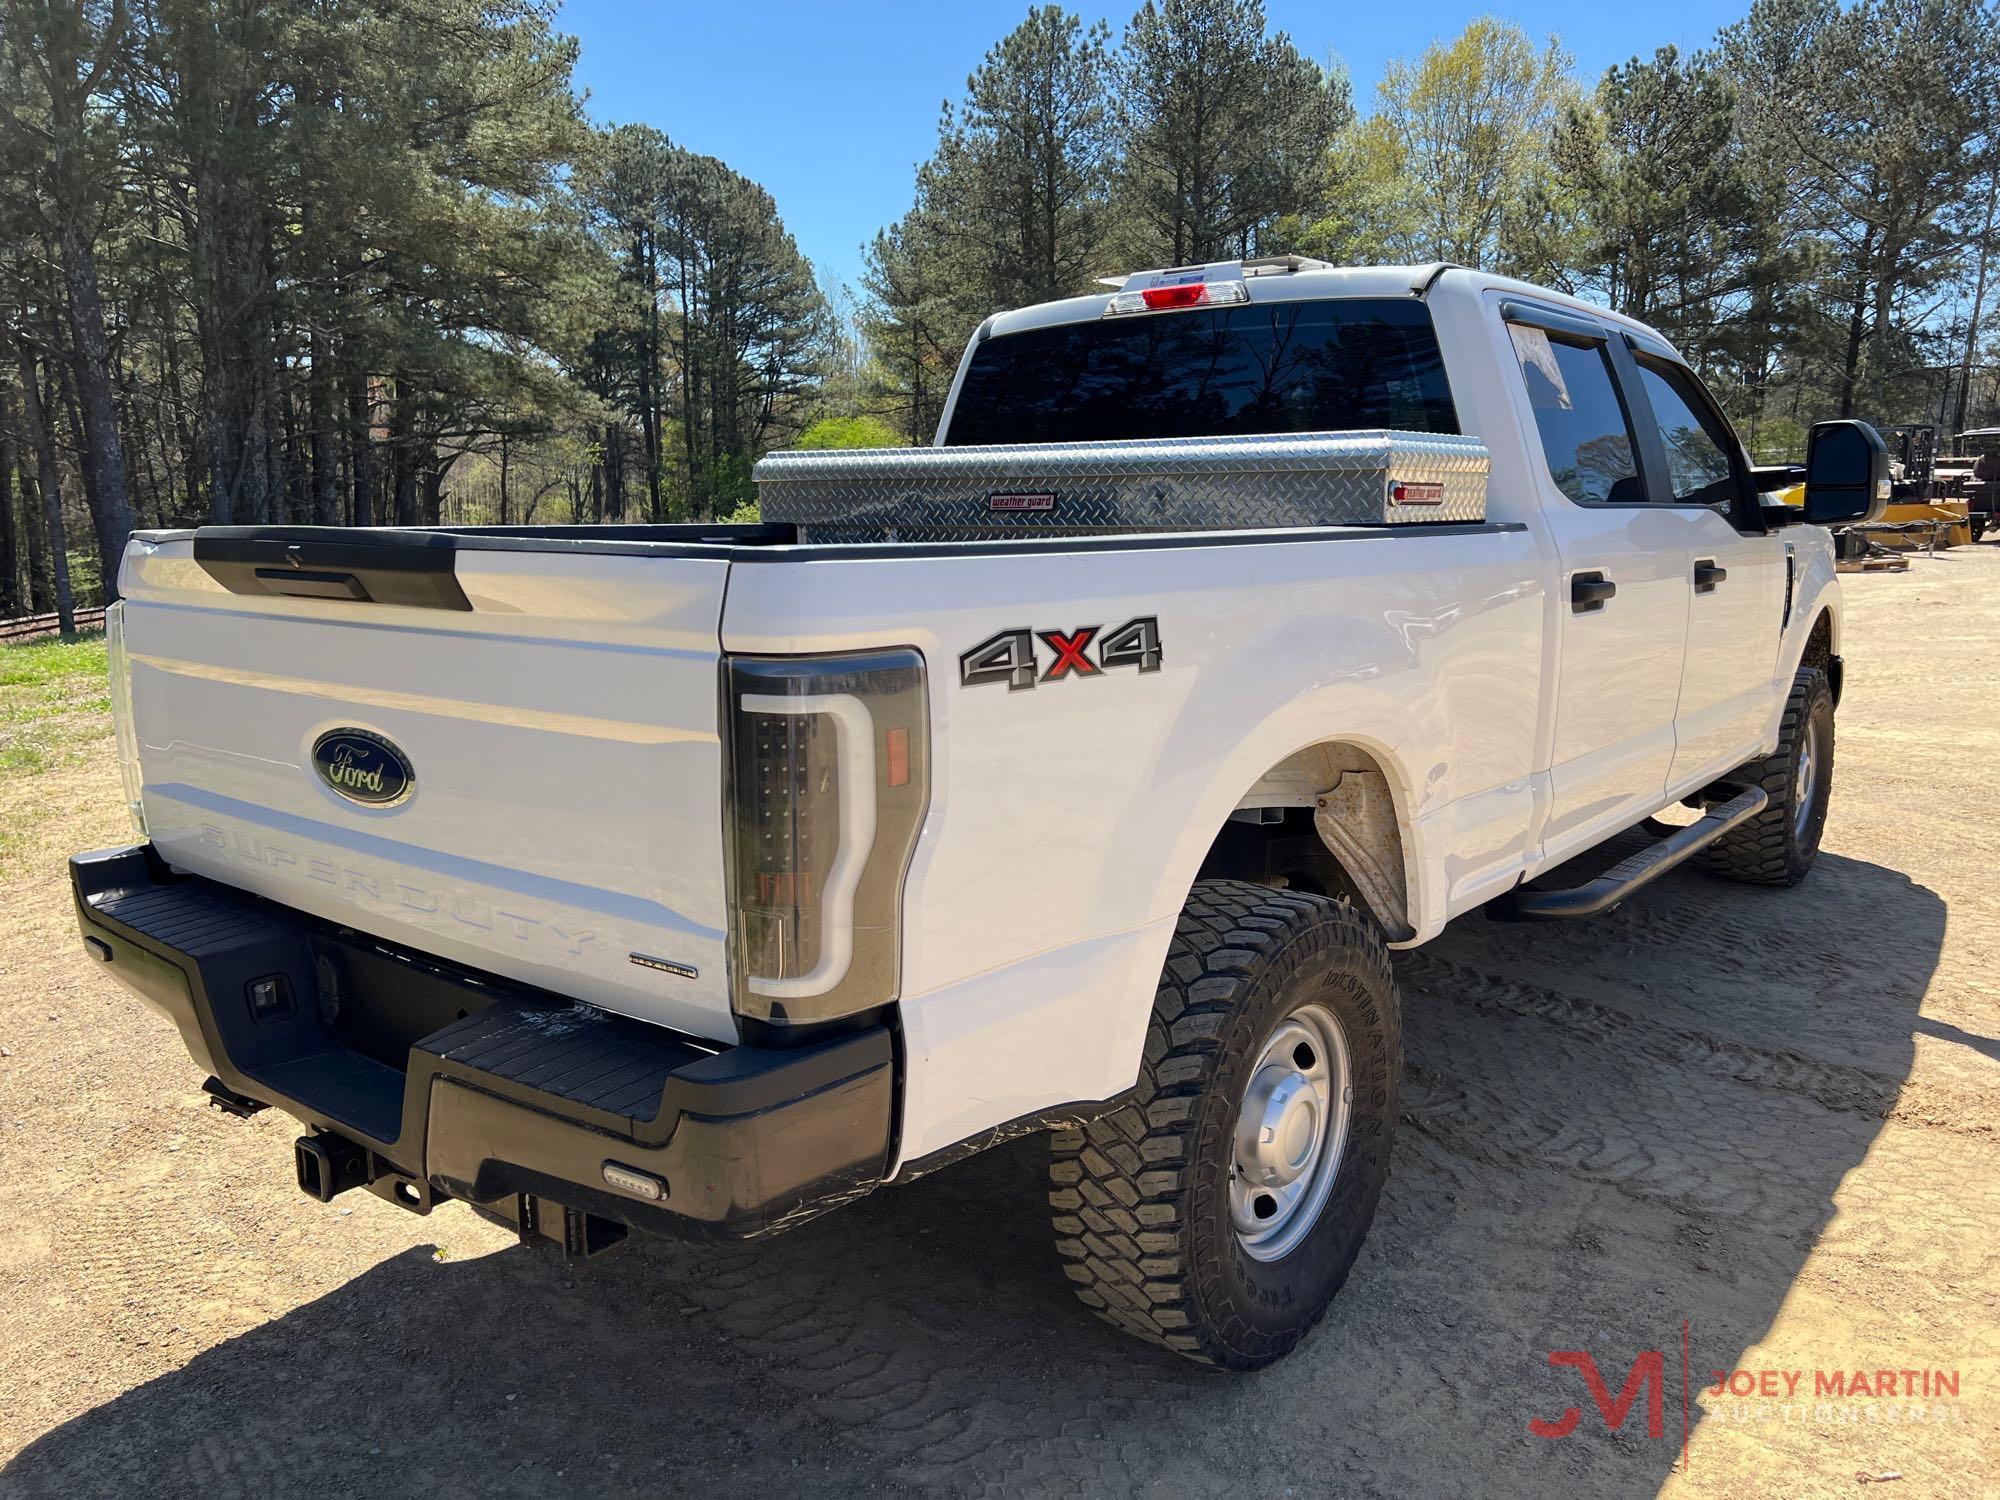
<point x="1669" y="586"/>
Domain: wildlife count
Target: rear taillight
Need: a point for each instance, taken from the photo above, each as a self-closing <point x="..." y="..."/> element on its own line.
<point x="829" y="776"/>
<point x="124" y="735"/>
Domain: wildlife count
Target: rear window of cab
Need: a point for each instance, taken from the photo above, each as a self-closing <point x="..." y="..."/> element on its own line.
<point x="1272" y="367"/>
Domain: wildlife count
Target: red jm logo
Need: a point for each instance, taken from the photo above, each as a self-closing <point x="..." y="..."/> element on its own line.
<point x="1649" y="1371"/>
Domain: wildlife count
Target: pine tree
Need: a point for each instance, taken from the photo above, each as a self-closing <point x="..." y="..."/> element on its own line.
<point x="1223" y="131"/>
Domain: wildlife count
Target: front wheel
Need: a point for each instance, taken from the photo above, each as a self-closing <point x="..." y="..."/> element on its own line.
<point x="1219" y="1211"/>
<point x="1779" y="845"/>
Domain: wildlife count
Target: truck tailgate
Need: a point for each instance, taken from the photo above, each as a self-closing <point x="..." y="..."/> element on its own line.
<point x="557" y="710"/>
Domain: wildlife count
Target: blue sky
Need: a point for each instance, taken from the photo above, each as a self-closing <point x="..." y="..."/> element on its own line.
<point x="831" y="105"/>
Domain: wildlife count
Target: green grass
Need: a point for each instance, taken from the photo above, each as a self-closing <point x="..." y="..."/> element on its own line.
<point x="55" y="703"/>
<point x="48" y="659"/>
<point x="55" y="710"/>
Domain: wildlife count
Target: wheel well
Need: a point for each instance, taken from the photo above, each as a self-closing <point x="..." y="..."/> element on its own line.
<point x="1819" y="652"/>
<point x="1322" y="820"/>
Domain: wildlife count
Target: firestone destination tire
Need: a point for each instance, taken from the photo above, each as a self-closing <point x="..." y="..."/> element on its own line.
<point x="1219" y="1212"/>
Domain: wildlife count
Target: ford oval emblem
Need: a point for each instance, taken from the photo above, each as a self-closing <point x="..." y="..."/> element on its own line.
<point x="363" y="767"/>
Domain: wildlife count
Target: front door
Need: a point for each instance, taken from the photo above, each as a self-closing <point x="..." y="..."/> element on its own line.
<point x="1736" y="573"/>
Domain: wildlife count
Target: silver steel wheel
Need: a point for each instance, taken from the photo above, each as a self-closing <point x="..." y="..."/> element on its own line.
<point x="1805" y="779"/>
<point x="1290" y="1131"/>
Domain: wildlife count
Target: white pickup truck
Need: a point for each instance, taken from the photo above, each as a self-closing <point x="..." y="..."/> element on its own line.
<point x="1077" y="773"/>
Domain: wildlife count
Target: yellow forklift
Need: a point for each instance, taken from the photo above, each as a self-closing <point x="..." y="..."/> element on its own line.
<point x="1921" y="513"/>
<point x="1926" y="511"/>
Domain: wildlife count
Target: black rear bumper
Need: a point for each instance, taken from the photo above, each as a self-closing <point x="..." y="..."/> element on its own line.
<point x="427" y="1080"/>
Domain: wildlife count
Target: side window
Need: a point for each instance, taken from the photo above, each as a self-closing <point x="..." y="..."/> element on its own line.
<point x="1585" y="434"/>
<point x="1698" y="444"/>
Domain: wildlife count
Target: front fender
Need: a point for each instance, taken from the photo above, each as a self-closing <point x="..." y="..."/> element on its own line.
<point x="1815" y="592"/>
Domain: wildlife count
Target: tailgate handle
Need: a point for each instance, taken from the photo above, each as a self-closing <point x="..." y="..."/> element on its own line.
<point x="300" y="584"/>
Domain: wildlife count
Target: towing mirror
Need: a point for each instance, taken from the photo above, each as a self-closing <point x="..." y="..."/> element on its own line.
<point x="1847" y="473"/>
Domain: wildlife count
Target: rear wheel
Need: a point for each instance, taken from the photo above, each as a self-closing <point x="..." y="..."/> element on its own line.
<point x="1778" y="846"/>
<point x="1218" y="1212"/>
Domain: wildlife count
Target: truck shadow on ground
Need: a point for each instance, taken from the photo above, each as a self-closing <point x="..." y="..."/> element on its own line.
<point x="1610" y="1128"/>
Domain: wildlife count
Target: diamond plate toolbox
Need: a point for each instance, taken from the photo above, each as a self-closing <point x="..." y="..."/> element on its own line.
<point x="1098" y="489"/>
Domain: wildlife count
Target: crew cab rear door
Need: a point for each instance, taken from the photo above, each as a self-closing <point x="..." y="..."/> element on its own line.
<point x="1621" y="609"/>
<point x="1736" y="570"/>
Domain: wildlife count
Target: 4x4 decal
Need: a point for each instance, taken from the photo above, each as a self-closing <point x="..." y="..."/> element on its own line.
<point x="1010" y="657"/>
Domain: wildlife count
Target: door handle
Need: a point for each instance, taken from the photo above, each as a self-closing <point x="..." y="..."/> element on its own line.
<point x="1588" y="591"/>
<point x="1707" y="575"/>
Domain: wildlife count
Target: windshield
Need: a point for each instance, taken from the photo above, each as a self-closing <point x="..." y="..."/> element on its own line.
<point x="1324" y="366"/>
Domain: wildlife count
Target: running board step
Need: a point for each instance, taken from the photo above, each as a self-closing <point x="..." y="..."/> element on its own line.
<point x="1635" y="871"/>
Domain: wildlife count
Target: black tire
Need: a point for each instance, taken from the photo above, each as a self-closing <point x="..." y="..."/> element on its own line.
<point x="1140" y="1196"/>
<point x="1778" y="846"/>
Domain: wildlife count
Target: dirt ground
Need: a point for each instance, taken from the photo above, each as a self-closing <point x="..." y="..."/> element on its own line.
<point x="1768" y="1122"/>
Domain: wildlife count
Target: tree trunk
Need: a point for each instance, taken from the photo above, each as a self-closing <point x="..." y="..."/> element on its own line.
<point x="1978" y="305"/>
<point x="10" y="552"/>
<point x="40" y="594"/>
<point x="433" y="473"/>
<point x="1857" y="326"/>
<point x="173" y="397"/>
<point x="44" y="442"/>
<point x="402" y="455"/>
<point x="1878" y="335"/>
<point x="361" y="442"/>
<point x="691" y="390"/>
<point x="60" y="398"/>
<point x="270" y="405"/>
<point x="289" y="441"/>
<point x="325" y="426"/>
<point x="649" y="377"/>
<point x="144" y="450"/>
<point x="614" y="471"/>
<point x="34" y="595"/>
<point x="228" y="311"/>
<point x="103" y="455"/>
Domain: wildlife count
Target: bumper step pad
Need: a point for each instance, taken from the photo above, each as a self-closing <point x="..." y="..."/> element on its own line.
<point x="576" y="1054"/>
<point x="187" y="919"/>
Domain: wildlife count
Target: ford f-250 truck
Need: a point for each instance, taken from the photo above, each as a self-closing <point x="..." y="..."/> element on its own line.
<point x="1076" y="773"/>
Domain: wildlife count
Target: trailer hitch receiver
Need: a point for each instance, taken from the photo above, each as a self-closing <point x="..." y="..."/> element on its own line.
<point x="329" y="1165"/>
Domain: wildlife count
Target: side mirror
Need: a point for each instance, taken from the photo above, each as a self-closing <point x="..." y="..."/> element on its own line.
<point x="1847" y="473"/>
